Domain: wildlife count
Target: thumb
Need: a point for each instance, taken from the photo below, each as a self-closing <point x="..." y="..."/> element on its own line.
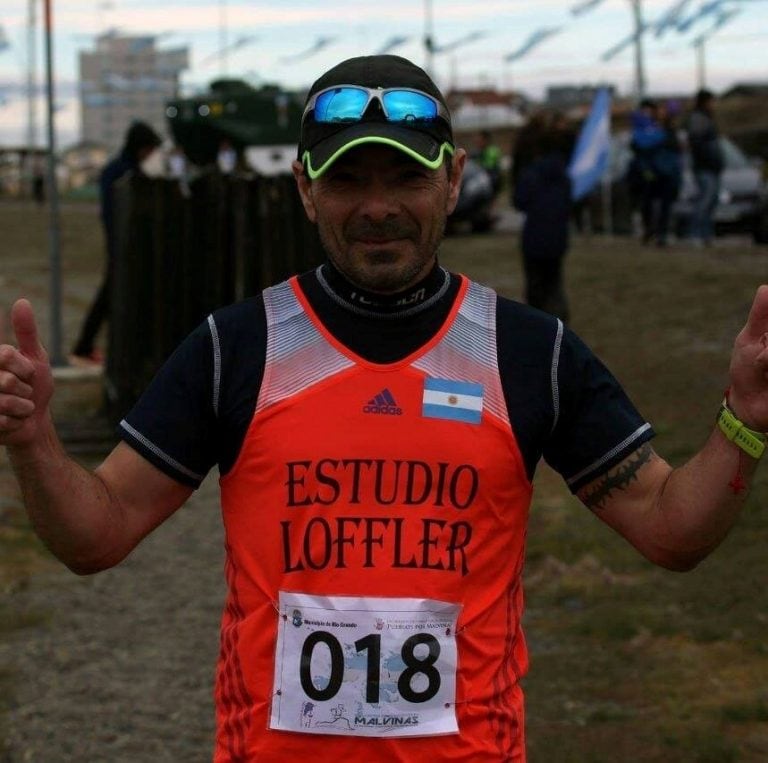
<point x="757" y="322"/>
<point x="25" y="328"/>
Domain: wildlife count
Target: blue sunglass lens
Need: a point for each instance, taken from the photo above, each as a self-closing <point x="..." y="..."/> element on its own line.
<point x="407" y="106"/>
<point x="343" y="104"/>
<point x="347" y="104"/>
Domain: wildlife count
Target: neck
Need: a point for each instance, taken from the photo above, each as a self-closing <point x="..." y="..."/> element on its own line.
<point x="407" y="302"/>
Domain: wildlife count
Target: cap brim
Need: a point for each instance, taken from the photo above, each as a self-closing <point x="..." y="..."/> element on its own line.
<point x="421" y="146"/>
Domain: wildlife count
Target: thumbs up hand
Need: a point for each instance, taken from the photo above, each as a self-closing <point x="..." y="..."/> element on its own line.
<point x="26" y="383"/>
<point x="749" y="367"/>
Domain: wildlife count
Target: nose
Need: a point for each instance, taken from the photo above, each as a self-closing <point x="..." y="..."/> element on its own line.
<point x="378" y="201"/>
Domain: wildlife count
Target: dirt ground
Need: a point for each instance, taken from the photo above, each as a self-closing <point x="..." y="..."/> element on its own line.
<point x="118" y="667"/>
<point x="629" y="662"/>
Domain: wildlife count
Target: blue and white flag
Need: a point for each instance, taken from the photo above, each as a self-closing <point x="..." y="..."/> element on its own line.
<point x="453" y="400"/>
<point x="590" y="157"/>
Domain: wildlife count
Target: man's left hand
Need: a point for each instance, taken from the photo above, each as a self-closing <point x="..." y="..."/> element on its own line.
<point x="748" y="397"/>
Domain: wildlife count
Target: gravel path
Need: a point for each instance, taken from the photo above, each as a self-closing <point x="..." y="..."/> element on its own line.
<point x="121" y="668"/>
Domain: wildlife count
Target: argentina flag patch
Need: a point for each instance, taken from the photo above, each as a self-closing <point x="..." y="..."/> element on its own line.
<point x="452" y="400"/>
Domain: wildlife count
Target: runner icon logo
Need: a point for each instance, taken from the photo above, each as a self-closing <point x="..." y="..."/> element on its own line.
<point x="383" y="403"/>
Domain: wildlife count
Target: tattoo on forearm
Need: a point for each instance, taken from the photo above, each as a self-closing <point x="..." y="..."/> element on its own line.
<point x="618" y="479"/>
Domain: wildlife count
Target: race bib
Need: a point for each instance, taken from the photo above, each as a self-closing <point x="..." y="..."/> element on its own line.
<point x="365" y="666"/>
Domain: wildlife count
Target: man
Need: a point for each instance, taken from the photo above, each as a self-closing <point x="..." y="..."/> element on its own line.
<point x="376" y="424"/>
<point x="708" y="163"/>
<point x="140" y="142"/>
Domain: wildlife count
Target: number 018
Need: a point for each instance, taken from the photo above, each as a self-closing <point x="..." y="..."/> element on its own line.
<point x="371" y="645"/>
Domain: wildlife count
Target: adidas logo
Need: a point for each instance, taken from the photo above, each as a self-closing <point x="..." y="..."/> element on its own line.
<point x="383" y="403"/>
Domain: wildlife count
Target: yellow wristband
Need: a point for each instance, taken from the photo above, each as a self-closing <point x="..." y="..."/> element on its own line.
<point x="751" y="442"/>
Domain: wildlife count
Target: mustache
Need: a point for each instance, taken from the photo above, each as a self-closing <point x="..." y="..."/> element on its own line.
<point x="386" y="229"/>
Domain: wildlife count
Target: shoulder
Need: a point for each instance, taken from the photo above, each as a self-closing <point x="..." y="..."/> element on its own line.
<point x="530" y="334"/>
<point x="115" y="168"/>
<point x="698" y="122"/>
<point x="528" y="349"/>
<point x="241" y="322"/>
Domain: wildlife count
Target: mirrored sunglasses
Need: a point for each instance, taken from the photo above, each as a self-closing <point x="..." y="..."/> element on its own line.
<point x="348" y="103"/>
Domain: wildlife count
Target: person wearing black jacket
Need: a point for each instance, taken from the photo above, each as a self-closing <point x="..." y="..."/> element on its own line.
<point x="140" y="141"/>
<point x="543" y="193"/>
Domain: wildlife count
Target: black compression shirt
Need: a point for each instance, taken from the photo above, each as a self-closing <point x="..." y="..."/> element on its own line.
<point x="563" y="403"/>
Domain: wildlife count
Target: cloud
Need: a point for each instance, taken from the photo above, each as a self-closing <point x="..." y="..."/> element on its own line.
<point x="13" y="123"/>
<point x="191" y="16"/>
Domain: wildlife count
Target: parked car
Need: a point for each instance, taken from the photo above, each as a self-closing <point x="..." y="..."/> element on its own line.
<point x="742" y="206"/>
<point x="475" y="200"/>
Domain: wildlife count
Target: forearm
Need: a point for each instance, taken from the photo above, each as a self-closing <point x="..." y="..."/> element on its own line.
<point x="70" y="508"/>
<point x="700" y="501"/>
<point x="675" y="517"/>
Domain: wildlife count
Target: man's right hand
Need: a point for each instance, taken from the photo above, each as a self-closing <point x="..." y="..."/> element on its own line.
<point x="90" y="521"/>
<point x="26" y="382"/>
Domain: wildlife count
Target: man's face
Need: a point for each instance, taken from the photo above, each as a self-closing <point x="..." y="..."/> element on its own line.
<point x="380" y="214"/>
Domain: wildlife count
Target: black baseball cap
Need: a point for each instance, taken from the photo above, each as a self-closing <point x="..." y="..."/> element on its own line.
<point x="426" y="141"/>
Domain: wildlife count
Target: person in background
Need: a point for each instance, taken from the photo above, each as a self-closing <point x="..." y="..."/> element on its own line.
<point x="178" y="170"/>
<point x="140" y="143"/>
<point x="656" y="168"/>
<point x="525" y="148"/>
<point x="226" y="159"/>
<point x="543" y="194"/>
<point x="38" y="181"/>
<point x="668" y="163"/>
<point x="708" y="162"/>
<point x="488" y="155"/>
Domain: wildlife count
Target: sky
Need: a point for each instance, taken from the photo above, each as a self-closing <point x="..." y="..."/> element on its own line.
<point x="276" y="36"/>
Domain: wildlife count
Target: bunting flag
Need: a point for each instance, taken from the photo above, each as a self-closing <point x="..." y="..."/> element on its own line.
<point x="590" y="156"/>
<point x="724" y="18"/>
<point x="391" y="44"/>
<point x="578" y="10"/>
<point x="241" y="42"/>
<point x="706" y="9"/>
<point x="320" y="44"/>
<point x="536" y="38"/>
<point x="625" y="43"/>
<point x="463" y="40"/>
<point x="671" y="18"/>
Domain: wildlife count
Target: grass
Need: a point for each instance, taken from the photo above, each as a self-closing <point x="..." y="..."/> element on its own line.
<point x="629" y="662"/>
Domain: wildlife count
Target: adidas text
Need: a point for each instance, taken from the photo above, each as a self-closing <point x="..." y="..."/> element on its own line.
<point x="389" y="410"/>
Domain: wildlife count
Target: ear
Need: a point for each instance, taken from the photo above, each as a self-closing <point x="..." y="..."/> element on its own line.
<point x="304" y="184"/>
<point x="458" y="160"/>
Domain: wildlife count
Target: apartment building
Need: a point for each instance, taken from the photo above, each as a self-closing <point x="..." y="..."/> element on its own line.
<point x="125" y="78"/>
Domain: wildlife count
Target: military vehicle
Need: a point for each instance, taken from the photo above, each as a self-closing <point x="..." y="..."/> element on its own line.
<point x="256" y="122"/>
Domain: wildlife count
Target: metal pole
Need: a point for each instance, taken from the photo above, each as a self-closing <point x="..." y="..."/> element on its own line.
<point x="429" y="40"/>
<point x="639" y="61"/>
<point x="223" y="37"/>
<point x="31" y="87"/>
<point x="701" y="63"/>
<point x="53" y="205"/>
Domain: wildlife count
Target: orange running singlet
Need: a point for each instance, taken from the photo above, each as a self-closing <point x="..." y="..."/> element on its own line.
<point x="375" y="523"/>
